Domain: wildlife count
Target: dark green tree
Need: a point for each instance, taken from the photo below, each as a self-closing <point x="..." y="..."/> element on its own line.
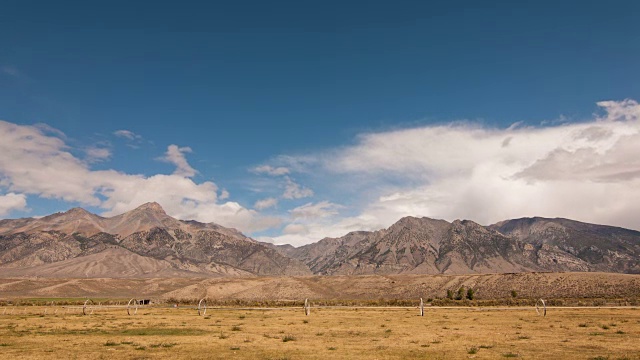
<point x="450" y="294"/>
<point x="460" y="294"/>
<point x="470" y="293"/>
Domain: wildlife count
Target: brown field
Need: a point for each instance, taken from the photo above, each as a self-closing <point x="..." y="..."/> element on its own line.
<point x="337" y="333"/>
<point x="474" y="330"/>
<point x="364" y="287"/>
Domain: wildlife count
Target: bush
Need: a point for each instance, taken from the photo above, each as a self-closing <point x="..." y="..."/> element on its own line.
<point x="470" y="293"/>
<point x="514" y="294"/>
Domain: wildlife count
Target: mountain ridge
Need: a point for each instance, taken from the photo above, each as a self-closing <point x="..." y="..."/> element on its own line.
<point x="432" y="246"/>
<point x="412" y="245"/>
<point x="190" y="247"/>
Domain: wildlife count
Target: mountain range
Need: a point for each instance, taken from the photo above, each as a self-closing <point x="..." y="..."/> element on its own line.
<point x="144" y="242"/>
<point x="148" y="243"/>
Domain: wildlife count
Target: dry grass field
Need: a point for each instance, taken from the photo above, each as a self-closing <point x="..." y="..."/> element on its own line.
<point x="363" y="287"/>
<point x="336" y="333"/>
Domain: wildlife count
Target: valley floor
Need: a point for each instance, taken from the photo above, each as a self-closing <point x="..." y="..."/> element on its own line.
<point x="321" y="288"/>
<point x="347" y="333"/>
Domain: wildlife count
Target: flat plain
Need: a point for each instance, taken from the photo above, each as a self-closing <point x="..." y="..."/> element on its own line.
<point x="163" y="332"/>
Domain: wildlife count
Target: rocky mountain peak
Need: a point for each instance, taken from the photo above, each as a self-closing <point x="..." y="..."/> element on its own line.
<point x="145" y="238"/>
<point x="78" y="212"/>
<point x="150" y="207"/>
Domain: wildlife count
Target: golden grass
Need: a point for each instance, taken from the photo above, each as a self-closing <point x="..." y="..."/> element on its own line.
<point x="345" y="333"/>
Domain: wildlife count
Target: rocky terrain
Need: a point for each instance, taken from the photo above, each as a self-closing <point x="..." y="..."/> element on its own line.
<point x="143" y="242"/>
<point x="146" y="243"/>
<point x="428" y="246"/>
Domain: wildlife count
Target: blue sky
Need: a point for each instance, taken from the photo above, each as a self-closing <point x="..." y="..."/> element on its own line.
<point x="349" y="100"/>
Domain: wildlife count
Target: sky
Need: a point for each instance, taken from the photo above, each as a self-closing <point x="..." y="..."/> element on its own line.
<point x="298" y="120"/>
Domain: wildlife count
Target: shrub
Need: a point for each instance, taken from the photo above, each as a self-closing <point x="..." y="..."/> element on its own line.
<point x="470" y="293"/>
<point x="450" y="294"/>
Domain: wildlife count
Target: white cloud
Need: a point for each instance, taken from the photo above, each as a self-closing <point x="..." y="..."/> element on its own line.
<point x="626" y="110"/>
<point x="588" y="171"/>
<point x="270" y="170"/>
<point x="127" y="134"/>
<point x="322" y="209"/>
<point x="95" y="154"/>
<point x="265" y="203"/>
<point x="12" y="201"/>
<point x="311" y="222"/>
<point x="293" y="190"/>
<point x="33" y="162"/>
<point x="295" y="229"/>
<point x="176" y="155"/>
<point x="224" y="194"/>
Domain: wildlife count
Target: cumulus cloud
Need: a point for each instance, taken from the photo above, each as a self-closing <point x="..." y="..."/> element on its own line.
<point x="293" y="190"/>
<point x="588" y="171"/>
<point x="270" y="170"/>
<point x="176" y="156"/>
<point x="626" y="110"/>
<point x="33" y="162"/>
<point x="265" y="203"/>
<point x="12" y="201"/>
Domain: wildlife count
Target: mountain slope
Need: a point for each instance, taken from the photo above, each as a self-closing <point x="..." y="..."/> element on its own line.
<point x="428" y="246"/>
<point x="189" y="247"/>
<point x="591" y="247"/>
<point x="77" y="242"/>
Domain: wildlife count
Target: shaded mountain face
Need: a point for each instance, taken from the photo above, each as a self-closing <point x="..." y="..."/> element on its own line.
<point x="181" y="248"/>
<point x="585" y="247"/>
<point x="427" y="246"/>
